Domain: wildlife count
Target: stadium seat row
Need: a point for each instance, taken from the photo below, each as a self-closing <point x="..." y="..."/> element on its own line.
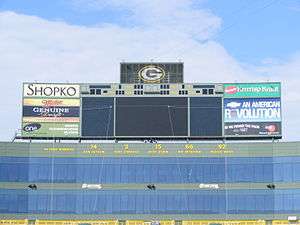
<point x="141" y="222"/>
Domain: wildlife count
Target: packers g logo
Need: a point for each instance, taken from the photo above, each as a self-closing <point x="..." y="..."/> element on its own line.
<point x="151" y="74"/>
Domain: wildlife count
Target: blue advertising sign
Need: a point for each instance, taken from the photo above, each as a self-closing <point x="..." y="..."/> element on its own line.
<point x="252" y="110"/>
<point x="252" y="129"/>
<point x="40" y="111"/>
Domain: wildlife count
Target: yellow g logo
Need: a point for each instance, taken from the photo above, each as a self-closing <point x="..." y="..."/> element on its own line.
<point x="151" y="74"/>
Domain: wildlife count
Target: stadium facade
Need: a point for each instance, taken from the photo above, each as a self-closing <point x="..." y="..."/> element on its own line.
<point x="210" y="155"/>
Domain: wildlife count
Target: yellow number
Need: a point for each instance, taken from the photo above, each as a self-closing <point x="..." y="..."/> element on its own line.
<point x="189" y="146"/>
<point x="93" y="146"/>
<point x="126" y="146"/>
<point x="158" y="146"/>
<point x="222" y="146"/>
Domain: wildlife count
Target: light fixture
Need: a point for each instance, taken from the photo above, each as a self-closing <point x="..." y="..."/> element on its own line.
<point x="271" y="186"/>
<point x="32" y="186"/>
<point x="151" y="187"/>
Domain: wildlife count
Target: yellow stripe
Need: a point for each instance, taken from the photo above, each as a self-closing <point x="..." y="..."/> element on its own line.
<point x="51" y="102"/>
<point x="224" y="222"/>
<point x="51" y="119"/>
<point x="76" y="222"/>
<point x="13" y="222"/>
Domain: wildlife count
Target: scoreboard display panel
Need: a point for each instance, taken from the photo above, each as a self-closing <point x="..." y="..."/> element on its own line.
<point x="152" y="117"/>
<point x="152" y="109"/>
<point x="206" y="117"/>
<point x="97" y="117"/>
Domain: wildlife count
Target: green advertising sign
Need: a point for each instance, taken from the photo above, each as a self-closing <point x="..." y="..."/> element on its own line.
<point x="252" y="90"/>
<point x="50" y="129"/>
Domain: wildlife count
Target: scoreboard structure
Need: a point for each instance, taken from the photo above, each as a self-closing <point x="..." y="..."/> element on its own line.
<point x="151" y="102"/>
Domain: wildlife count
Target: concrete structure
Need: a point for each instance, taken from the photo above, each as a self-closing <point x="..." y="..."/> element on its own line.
<point x="194" y="181"/>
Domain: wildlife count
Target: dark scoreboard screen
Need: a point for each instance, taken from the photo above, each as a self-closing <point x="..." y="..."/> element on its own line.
<point x="142" y="117"/>
<point x="97" y="117"/>
<point x="152" y="116"/>
<point x="206" y="117"/>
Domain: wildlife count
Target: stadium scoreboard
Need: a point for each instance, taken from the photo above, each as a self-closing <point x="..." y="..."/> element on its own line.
<point x="151" y="102"/>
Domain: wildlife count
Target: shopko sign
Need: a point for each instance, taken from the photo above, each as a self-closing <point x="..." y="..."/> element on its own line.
<point x="51" y="90"/>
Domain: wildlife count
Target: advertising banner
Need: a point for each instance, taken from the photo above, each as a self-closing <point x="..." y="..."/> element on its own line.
<point x="50" y="129"/>
<point x="35" y="90"/>
<point x="252" y="90"/>
<point x="51" y="102"/>
<point x="252" y="129"/>
<point x="52" y="119"/>
<point x="40" y="111"/>
<point x="252" y="110"/>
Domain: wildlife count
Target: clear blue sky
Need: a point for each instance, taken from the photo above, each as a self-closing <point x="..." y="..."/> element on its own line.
<point x="251" y="30"/>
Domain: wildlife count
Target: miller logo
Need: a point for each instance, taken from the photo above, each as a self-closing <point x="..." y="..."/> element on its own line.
<point x="151" y="74"/>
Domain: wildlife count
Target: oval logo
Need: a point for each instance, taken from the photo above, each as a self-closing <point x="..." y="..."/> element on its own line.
<point x="32" y="127"/>
<point x="151" y="73"/>
<point x="231" y="90"/>
<point x="271" y="128"/>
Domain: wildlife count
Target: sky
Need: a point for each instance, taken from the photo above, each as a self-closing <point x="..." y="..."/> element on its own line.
<point x="85" y="40"/>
